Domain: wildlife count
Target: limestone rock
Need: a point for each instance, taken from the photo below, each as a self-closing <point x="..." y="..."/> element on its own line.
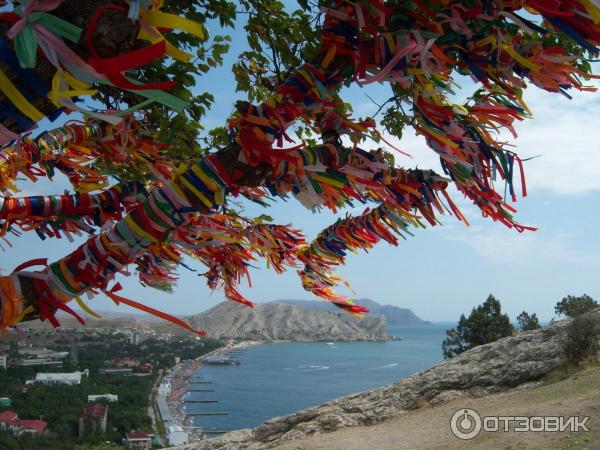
<point x="281" y="322"/>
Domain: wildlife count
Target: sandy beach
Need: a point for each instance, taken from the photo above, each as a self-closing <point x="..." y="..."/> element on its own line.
<point x="183" y="372"/>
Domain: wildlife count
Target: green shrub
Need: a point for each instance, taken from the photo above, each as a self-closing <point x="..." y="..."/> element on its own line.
<point x="572" y="306"/>
<point x="583" y="339"/>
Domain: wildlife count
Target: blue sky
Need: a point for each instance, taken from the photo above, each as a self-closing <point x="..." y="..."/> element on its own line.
<point x="441" y="272"/>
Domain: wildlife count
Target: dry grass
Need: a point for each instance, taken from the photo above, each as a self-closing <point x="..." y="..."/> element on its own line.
<point x="564" y="393"/>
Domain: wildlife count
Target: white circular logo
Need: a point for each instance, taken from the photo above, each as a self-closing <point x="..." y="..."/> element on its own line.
<point x="465" y="424"/>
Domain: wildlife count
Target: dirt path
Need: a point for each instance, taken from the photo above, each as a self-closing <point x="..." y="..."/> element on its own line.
<point x="429" y="427"/>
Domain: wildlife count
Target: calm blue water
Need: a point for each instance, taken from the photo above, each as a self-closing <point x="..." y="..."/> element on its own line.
<point x="279" y="379"/>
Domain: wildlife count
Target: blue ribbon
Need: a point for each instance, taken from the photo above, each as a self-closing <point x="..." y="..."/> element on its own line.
<point x="27" y="78"/>
<point x="27" y="75"/>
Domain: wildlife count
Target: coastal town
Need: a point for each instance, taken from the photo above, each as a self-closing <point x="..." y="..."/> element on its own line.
<point x="117" y="388"/>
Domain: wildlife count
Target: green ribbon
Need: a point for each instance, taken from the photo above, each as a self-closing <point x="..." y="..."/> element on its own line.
<point x="26" y="40"/>
<point x="153" y="95"/>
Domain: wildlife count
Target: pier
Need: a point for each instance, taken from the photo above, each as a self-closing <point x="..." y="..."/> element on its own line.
<point x="200" y="401"/>
<point x="186" y="380"/>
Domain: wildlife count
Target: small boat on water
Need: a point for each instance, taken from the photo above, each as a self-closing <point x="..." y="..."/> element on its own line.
<point x="220" y="360"/>
<point x="331" y="343"/>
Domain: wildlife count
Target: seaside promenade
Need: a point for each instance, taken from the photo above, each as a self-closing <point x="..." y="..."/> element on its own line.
<point x="170" y="399"/>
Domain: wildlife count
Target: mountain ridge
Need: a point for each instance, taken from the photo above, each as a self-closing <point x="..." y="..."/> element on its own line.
<point x="393" y="314"/>
<point x="275" y="321"/>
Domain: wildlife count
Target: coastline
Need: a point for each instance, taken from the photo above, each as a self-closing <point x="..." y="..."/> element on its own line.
<point x="180" y="376"/>
<point x="183" y="372"/>
<point x="372" y="418"/>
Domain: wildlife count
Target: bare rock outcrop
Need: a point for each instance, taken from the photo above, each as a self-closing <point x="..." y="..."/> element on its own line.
<point x="281" y="322"/>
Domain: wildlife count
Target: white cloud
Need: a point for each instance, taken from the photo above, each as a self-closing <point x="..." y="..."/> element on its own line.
<point x="564" y="132"/>
<point x="502" y="246"/>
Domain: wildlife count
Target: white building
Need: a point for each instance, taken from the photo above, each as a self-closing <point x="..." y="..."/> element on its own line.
<point x="62" y="378"/>
<point x="3" y="361"/>
<point x="176" y="435"/>
<point x="36" y="352"/>
<point x="38" y="362"/>
<point x="133" y="337"/>
<point x="164" y="388"/>
<point x="107" y="397"/>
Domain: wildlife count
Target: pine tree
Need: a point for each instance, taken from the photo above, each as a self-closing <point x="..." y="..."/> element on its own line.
<point x="485" y="324"/>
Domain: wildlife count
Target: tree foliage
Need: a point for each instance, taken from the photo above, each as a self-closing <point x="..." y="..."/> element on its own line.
<point x="128" y="413"/>
<point x="528" y="321"/>
<point x="583" y="339"/>
<point x="485" y="324"/>
<point x="572" y="306"/>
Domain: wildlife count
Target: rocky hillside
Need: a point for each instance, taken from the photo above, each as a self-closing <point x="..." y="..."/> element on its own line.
<point x="516" y="361"/>
<point x="393" y="314"/>
<point x="280" y="322"/>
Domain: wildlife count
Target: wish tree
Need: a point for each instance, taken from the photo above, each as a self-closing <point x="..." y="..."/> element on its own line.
<point x="152" y="187"/>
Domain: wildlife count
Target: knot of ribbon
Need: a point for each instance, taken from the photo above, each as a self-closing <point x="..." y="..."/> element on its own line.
<point x="36" y="22"/>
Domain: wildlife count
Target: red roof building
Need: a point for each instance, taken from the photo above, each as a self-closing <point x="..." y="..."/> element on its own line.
<point x="8" y="417"/>
<point x="33" y="426"/>
<point x="93" y="417"/>
<point x="10" y="421"/>
<point x="95" y="410"/>
<point x="138" y="440"/>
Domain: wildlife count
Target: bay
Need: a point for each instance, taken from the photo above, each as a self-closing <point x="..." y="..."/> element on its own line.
<point x="281" y="378"/>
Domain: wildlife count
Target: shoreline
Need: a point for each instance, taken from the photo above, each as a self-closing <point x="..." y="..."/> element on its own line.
<point x="180" y="376"/>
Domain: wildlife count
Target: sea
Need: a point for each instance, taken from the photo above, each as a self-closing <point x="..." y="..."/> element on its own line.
<point x="281" y="378"/>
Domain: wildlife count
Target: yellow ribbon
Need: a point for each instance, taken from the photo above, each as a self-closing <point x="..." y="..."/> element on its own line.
<point x="171" y="50"/>
<point x="138" y="230"/>
<point x="592" y="10"/>
<point x="196" y="192"/>
<point x="23" y="313"/>
<point x="164" y="20"/>
<point x="86" y="308"/>
<point x="206" y="180"/>
<point x="17" y="99"/>
<point x="517" y="57"/>
<point x="82" y="188"/>
<point x="487" y="40"/>
<point x="157" y="19"/>
<point x="57" y="92"/>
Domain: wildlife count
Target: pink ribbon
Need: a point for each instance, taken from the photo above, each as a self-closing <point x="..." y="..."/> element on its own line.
<point x="55" y="48"/>
<point x="6" y="135"/>
<point x="402" y="52"/>
<point x="32" y="6"/>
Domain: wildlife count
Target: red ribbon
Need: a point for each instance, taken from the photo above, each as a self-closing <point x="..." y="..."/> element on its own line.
<point x="32" y="262"/>
<point x="113" y="67"/>
<point x="118" y="299"/>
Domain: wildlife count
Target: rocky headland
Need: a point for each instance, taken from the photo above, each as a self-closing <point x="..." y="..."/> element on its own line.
<point x="282" y="322"/>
